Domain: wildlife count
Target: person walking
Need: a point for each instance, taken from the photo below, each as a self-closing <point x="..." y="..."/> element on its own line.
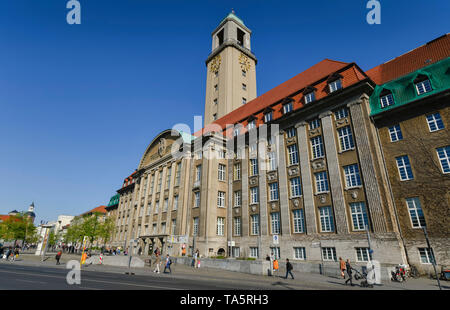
<point x="275" y="265"/>
<point x="289" y="269"/>
<point x="196" y="256"/>
<point x="167" y="264"/>
<point x="58" y="257"/>
<point x="157" y="262"/>
<point x="342" y="267"/>
<point x="349" y="268"/>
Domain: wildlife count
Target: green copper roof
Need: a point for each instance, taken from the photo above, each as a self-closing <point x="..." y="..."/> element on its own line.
<point x="233" y="16"/>
<point x="114" y="200"/>
<point x="404" y="91"/>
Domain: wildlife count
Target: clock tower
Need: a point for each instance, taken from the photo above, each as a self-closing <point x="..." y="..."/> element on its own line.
<point x="231" y="75"/>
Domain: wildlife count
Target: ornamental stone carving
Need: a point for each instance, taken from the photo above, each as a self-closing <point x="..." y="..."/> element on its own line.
<point x="323" y="198"/>
<point x="296" y="203"/>
<point x="342" y="121"/>
<point x="161" y="147"/>
<point x="236" y="210"/>
<point x="253" y="181"/>
<point x="313" y="132"/>
<point x="244" y="62"/>
<point x="253" y="208"/>
<point x="318" y="164"/>
<point x="293" y="171"/>
<point x="272" y="175"/>
<point x="354" y="194"/>
<point x="273" y="205"/>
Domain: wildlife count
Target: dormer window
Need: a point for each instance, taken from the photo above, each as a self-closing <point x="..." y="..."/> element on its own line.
<point x="268" y="117"/>
<point x="309" y="97"/>
<point x="335" y="85"/>
<point x="386" y="98"/>
<point x="422" y="84"/>
<point x="287" y="107"/>
<point x="251" y="124"/>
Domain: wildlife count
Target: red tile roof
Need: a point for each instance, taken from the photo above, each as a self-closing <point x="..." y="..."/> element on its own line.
<point x="101" y="209"/>
<point x="419" y="57"/>
<point x="315" y="75"/>
<point x="4" y="217"/>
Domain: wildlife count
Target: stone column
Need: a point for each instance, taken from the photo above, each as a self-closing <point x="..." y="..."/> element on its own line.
<point x="366" y="162"/>
<point x="307" y="183"/>
<point x="283" y="186"/>
<point x="244" y="193"/>
<point x="262" y="185"/>
<point x="334" y="174"/>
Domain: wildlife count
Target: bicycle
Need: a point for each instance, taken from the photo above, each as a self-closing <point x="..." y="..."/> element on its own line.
<point x="412" y="272"/>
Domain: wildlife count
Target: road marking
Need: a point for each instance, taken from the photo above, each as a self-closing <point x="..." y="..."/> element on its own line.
<point x="109" y="282"/>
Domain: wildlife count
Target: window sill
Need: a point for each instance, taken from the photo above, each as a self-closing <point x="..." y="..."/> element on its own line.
<point x="296" y="197"/>
<point x="353" y="187"/>
<point x="320" y="157"/>
<point x="321" y="193"/>
<point x="347" y="150"/>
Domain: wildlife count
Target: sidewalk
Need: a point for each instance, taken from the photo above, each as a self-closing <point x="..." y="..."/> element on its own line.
<point x="302" y="281"/>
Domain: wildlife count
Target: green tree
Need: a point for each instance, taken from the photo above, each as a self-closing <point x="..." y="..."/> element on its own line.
<point x="91" y="226"/>
<point x="17" y="227"/>
<point x="107" y="230"/>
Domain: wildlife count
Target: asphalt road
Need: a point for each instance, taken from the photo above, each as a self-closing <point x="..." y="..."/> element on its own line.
<point x="20" y="277"/>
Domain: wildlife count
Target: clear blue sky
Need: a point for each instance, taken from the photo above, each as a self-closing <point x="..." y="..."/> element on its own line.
<point x="80" y="103"/>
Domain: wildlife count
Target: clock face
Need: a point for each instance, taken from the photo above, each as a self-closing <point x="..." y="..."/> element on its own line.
<point x="245" y="62"/>
<point x="215" y="64"/>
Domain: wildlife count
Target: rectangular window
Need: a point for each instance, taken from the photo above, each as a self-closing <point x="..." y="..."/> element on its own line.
<point x="175" y="202"/>
<point x="155" y="229"/>
<point x="300" y="253"/>
<point x="309" y="97"/>
<point x="244" y="101"/>
<point x="237" y="226"/>
<point x="195" y="226"/>
<point x="315" y="123"/>
<point x="166" y="204"/>
<point x="253" y="166"/>
<point x="387" y="100"/>
<point x="435" y="122"/>
<point x="221" y="173"/>
<point x="169" y="174"/>
<point x="272" y="157"/>
<point x="197" y="199"/>
<point x="237" y="198"/>
<point x="215" y="116"/>
<point x="215" y="101"/>
<point x="174" y="226"/>
<point x="359" y="216"/>
<point x="287" y="107"/>
<point x="273" y="191"/>
<point x="404" y="168"/>
<point x="341" y="113"/>
<point x="255" y="224"/>
<point x="334" y="86"/>
<point x="362" y="254"/>
<point x="423" y="87"/>
<point x="254" y="252"/>
<point x="220" y="226"/>
<point x="159" y="181"/>
<point x="296" y="190"/>
<point x="156" y="207"/>
<point x="198" y="173"/>
<point x="443" y="154"/>
<point x="293" y="154"/>
<point x="396" y="133"/>
<point x="415" y="212"/>
<point x="177" y="174"/>
<point x="221" y="199"/>
<point x="244" y="87"/>
<point x="321" y="182"/>
<point x="326" y="219"/>
<point x="299" y="221"/>
<point x="329" y="254"/>
<point x="345" y="138"/>
<point x="275" y="251"/>
<point x="352" y="177"/>
<point x="244" y="73"/>
<point x="222" y="154"/>
<point x="291" y="132"/>
<point x="237" y="172"/>
<point x="254" y="195"/>
<point x="275" y="223"/>
<point x="317" y="147"/>
<point x="426" y="255"/>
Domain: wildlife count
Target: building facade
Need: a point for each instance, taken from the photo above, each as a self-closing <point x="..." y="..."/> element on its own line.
<point x="298" y="172"/>
<point x="412" y="115"/>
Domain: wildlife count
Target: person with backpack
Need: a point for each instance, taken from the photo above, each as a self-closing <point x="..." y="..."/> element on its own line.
<point x="168" y="263"/>
<point x="289" y="269"/>
<point x="349" y="268"/>
<point x="58" y="257"/>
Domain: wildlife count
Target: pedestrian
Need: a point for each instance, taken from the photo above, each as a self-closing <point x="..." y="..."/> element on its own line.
<point x="8" y="253"/>
<point x="349" y="268"/>
<point x="157" y="262"/>
<point x="289" y="269"/>
<point x="58" y="257"/>
<point x="196" y="257"/>
<point x="183" y="251"/>
<point x="16" y="254"/>
<point x="342" y="267"/>
<point x="275" y="265"/>
<point x="167" y="264"/>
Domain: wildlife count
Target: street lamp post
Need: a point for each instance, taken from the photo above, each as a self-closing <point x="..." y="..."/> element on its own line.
<point x="433" y="260"/>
